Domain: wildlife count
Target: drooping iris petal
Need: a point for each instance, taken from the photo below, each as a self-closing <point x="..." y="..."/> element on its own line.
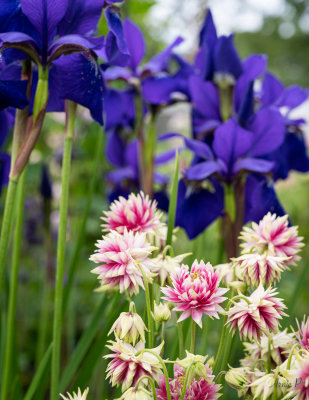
<point x="13" y="93"/>
<point x="260" y="198"/>
<point x="6" y="121"/>
<point x="115" y="26"/>
<point x="254" y="165"/>
<point x="246" y="106"/>
<point x="135" y="42"/>
<point x="231" y="142"/>
<point x="202" y="170"/>
<point x="82" y="82"/>
<point x="272" y="89"/>
<point x="115" y="149"/>
<point x="44" y="15"/>
<point x="268" y="128"/>
<point x="119" y="108"/>
<point x="205" y="98"/>
<point x="81" y="17"/>
<point x="197" y="209"/>
<point x="293" y="97"/>
<point x="158" y="89"/>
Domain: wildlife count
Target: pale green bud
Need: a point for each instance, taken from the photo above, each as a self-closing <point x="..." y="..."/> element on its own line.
<point x="197" y="366"/>
<point x="129" y="327"/>
<point x="161" y="312"/>
<point x="136" y="394"/>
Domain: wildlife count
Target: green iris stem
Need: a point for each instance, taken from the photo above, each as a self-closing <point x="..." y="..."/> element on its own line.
<point x="10" y="326"/>
<point x="152" y="384"/>
<point x="193" y="328"/>
<point x="167" y="383"/>
<point x="148" y="307"/>
<point x="61" y="244"/>
<point x="41" y="95"/>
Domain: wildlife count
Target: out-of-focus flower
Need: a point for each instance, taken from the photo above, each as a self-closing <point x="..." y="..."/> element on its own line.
<point x="199" y="389"/>
<point x="127" y="366"/>
<point x="121" y="258"/>
<point x="136" y="394"/>
<point x="273" y="234"/>
<point x="263" y="387"/>
<point x="259" y="314"/>
<point x="303" y="333"/>
<point x="196" y="292"/>
<point x="256" y="269"/>
<point x="76" y="396"/>
<point x="281" y="344"/>
<point x="128" y="327"/>
<point x="137" y="214"/>
<point x="166" y="265"/>
<point x="299" y="378"/>
<point x="161" y="312"/>
<point x="239" y="379"/>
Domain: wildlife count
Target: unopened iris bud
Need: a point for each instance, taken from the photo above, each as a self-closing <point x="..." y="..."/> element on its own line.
<point x="196" y="364"/>
<point x="161" y="312"/>
<point x="136" y="394"/>
<point x="129" y="326"/>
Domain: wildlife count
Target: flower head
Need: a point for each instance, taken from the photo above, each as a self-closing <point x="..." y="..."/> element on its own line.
<point x="137" y="213"/>
<point x="136" y="394"/>
<point x="263" y="387"/>
<point x="275" y="235"/>
<point x="76" y="396"/>
<point x="161" y="312"/>
<point x="166" y="265"/>
<point x="130" y="363"/>
<point x="128" y="327"/>
<point x="303" y="333"/>
<point x="121" y="258"/>
<point x="299" y="376"/>
<point x="259" y="313"/>
<point x="198" y="389"/>
<point x="239" y="379"/>
<point x="257" y="269"/>
<point x="196" y="292"/>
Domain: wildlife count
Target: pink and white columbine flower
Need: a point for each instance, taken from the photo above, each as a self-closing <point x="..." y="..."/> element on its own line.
<point x="198" y="389"/>
<point x="129" y="364"/>
<point x="76" y="396"/>
<point x="196" y="292"/>
<point x="273" y="234"/>
<point x="299" y="376"/>
<point x="303" y="334"/>
<point x="259" y="314"/>
<point x="137" y="213"/>
<point x="256" y="269"/>
<point x="121" y="258"/>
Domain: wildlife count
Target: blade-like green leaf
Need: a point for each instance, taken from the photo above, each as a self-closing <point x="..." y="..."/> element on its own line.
<point x="173" y="204"/>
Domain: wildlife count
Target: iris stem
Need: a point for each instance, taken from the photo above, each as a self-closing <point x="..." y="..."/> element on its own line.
<point x="61" y="244"/>
<point x="10" y="327"/>
<point x="192" y="337"/>
<point x="148" y="307"/>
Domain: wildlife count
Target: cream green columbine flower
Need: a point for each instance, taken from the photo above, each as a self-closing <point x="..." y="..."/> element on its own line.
<point x="196" y="364"/>
<point x="161" y="312"/>
<point x="239" y="379"/>
<point x="263" y="387"/>
<point x="76" y="396"/>
<point x="136" y="394"/>
<point x="129" y="326"/>
<point x="165" y="265"/>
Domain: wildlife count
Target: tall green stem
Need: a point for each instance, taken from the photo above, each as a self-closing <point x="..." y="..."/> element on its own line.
<point x="180" y="339"/>
<point x="61" y="243"/>
<point x="10" y="327"/>
<point x="192" y="337"/>
<point x="152" y="384"/>
<point x="148" y="307"/>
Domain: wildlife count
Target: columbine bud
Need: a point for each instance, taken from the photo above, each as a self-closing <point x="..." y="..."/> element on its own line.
<point x="237" y="378"/>
<point x="161" y="312"/>
<point x="136" y="394"/>
<point x="128" y="327"/>
<point x="238" y="286"/>
<point x="197" y="366"/>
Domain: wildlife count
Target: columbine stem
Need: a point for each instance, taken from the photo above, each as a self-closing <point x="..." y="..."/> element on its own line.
<point x="13" y="287"/>
<point x="180" y="339"/>
<point x="221" y="344"/>
<point x="183" y="392"/>
<point x="151" y="381"/>
<point x="269" y="355"/>
<point x="192" y="337"/>
<point x="66" y="166"/>
<point x="148" y="307"/>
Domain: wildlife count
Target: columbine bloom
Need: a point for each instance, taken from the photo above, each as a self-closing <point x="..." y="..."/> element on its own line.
<point x="199" y="369"/>
<point x="137" y="214"/>
<point x="239" y="379"/>
<point x="128" y="327"/>
<point x="166" y="265"/>
<point x="263" y="387"/>
<point x="303" y="333"/>
<point x="199" y="389"/>
<point x="161" y="312"/>
<point x="127" y="366"/>
<point x="136" y="394"/>
<point x="259" y="315"/>
<point x="257" y="269"/>
<point x="122" y="259"/>
<point x="273" y="234"/>
<point x="196" y="292"/>
<point x="76" y="396"/>
<point x="299" y="376"/>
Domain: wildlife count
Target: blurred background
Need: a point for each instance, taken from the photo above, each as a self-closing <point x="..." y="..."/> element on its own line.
<point x="277" y="28"/>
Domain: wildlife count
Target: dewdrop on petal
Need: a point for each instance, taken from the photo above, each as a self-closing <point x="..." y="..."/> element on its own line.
<point x="161" y="312"/>
<point x="76" y="396"/>
<point x="136" y="394"/>
<point x="129" y="326"/>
